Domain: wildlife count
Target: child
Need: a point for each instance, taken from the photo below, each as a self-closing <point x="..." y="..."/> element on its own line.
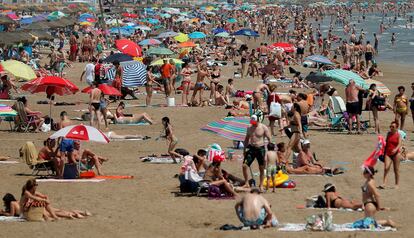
<point x="271" y="158"/>
<point x="281" y="159"/>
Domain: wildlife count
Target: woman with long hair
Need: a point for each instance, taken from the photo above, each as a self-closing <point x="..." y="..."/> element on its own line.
<point x="171" y="139"/>
<point x="393" y="144"/>
<point x="11" y="206"/>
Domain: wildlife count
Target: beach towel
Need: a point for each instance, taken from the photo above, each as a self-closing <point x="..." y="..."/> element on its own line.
<point x="159" y="160"/>
<point x="371" y="161"/>
<point x="93" y="180"/>
<point x="140" y="123"/>
<point x="9" y="162"/>
<point x="8" y="219"/>
<point x="329" y="209"/>
<point x="114" y="177"/>
<point x="347" y="227"/>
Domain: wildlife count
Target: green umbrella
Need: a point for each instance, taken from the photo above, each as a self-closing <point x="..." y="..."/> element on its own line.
<point x="161" y="61"/>
<point x="223" y="34"/>
<point x="344" y="76"/>
<point x="159" y="51"/>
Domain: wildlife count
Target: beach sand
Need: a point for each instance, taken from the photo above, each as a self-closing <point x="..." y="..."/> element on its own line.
<point x="147" y="206"/>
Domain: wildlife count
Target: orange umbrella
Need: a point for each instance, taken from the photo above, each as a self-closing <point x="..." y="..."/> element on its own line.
<point x="187" y="44"/>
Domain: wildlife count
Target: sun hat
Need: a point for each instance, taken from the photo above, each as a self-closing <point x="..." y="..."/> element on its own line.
<point x="328" y="186"/>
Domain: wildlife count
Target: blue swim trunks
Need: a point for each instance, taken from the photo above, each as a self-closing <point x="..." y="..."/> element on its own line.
<point x="67" y="145"/>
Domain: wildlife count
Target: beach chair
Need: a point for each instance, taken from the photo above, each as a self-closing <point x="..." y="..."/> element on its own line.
<point x="29" y="154"/>
<point x="22" y="121"/>
<point x="335" y="111"/>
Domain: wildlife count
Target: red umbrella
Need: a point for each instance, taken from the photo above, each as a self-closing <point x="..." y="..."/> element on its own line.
<point x="128" y="47"/>
<point x="106" y="89"/>
<point x="81" y="132"/>
<point x="91" y="20"/>
<point x="51" y="85"/>
<point x="129" y="15"/>
<point x="287" y="47"/>
<point x="1" y="69"/>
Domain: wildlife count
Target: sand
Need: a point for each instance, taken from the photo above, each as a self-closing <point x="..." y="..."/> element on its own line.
<point x="147" y="206"/>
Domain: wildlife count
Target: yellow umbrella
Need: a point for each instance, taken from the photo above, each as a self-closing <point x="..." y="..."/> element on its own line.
<point x="181" y="37"/>
<point x="161" y="61"/>
<point x="85" y="23"/>
<point x="18" y="69"/>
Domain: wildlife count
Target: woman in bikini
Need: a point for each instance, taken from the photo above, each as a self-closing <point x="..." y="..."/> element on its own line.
<point x="199" y="86"/>
<point x="148" y="85"/>
<point x="122" y="118"/>
<point x="295" y="126"/>
<point x="333" y="200"/>
<point x="215" y="80"/>
<point x="11" y="206"/>
<point x="117" y="83"/>
<point x="186" y="73"/>
<point x="372" y="202"/>
<point x="401" y="106"/>
<point x="171" y="139"/>
<point x="392" y="152"/>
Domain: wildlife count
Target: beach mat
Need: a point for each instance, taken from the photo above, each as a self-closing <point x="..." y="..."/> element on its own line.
<point x="347" y="227"/>
<point x="329" y="209"/>
<point x="9" y="219"/>
<point x="114" y="177"/>
<point x="141" y="123"/>
<point x="407" y="161"/>
<point x="9" y="162"/>
<point x="158" y="160"/>
<point x="131" y="139"/>
<point x="313" y="175"/>
<point x="92" y="180"/>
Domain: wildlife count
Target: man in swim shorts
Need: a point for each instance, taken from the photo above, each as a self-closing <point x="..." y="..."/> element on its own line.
<point x="254" y="148"/>
<point x="94" y="103"/>
<point x="352" y="104"/>
<point x="254" y="211"/>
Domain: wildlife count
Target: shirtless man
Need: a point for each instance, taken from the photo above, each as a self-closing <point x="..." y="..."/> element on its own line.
<point x="94" y="103"/>
<point x="87" y="158"/>
<point x="369" y="53"/>
<point x="254" y="148"/>
<point x="258" y="95"/>
<point x="304" y="110"/>
<point x="64" y="120"/>
<point x="352" y="104"/>
<point x="199" y="86"/>
<point x="254" y="211"/>
<point x="263" y="53"/>
<point x="73" y="41"/>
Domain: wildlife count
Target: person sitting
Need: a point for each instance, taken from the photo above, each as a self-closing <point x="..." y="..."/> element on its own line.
<point x="215" y="176"/>
<point x="200" y="161"/>
<point x="87" y="158"/>
<point x="219" y="98"/>
<point x="64" y="120"/>
<point x="50" y="153"/>
<point x="35" y="116"/>
<point x="333" y="200"/>
<point x="11" y="206"/>
<point x="254" y="211"/>
<point x="122" y="118"/>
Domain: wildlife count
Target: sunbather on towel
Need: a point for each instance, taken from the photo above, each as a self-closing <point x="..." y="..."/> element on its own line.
<point x="11" y="206"/>
<point x="112" y="135"/>
<point x="122" y="118"/>
<point x="333" y="200"/>
<point x="254" y="211"/>
<point x="87" y="158"/>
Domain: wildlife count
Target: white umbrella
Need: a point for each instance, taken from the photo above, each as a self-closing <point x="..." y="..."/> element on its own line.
<point x="81" y="132"/>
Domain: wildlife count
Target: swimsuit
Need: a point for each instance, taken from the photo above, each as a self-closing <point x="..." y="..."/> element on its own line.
<point x="258" y="222"/>
<point x="401" y="110"/>
<point x="352" y="107"/>
<point x="254" y="152"/>
<point x="96" y="105"/>
<point x="271" y="170"/>
<point x="391" y="142"/>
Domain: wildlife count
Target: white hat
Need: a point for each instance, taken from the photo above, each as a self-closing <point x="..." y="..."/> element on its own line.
<point x="254" y="118"/>
<point x="305" y="142"/>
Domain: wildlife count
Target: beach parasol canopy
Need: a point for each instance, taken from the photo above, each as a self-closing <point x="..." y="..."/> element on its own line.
<point x="134" y="74"/>
<point x="319" y="59"/>
<point x="50" y="85"/>
<point x="81" y="132"/>
<point x="129" y="15"/>
<point x="181" y="37"/>
<point x="286" y="47"/>
<point x="246" y="32"/>
<point x="197" y="35"/>
<point x="7" y="111"/>
<point x="18" y="69"/>
<point x="232" y="128"/>
<point x="187" y="44"/>
<point x="105" y="88"/>
<point x="159" y="51"/>
<point x="344" y="76"/>
<point x="380" y="86"/>
<point x="232" y="20"/>
<point x="149" y="42"/>
<point x="317" y="77"/>
<point x="56" y="15"/>
<point x="143" y="28"/>
<point x="128" y="47"/>
<point x="167" y="34"/>
<point x="223" y="34"/>
<point x="120" y="57"/>
<point x="218" y="30"/>
<point x="161" y="61"/>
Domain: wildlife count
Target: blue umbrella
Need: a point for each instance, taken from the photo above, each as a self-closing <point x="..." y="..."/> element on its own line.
<point x="246" y="32"/>
<point x="231" y="20"/>
<point x="167" y="34"/>
<point x="319" y="59"/>
<point x="152" y="20"/>
<point x="86" y="15"/>
<point x="27" y="20"/>
<point x="121" y="30"/>
<point x="218" y="30"/>
<point x="196" y="35"/>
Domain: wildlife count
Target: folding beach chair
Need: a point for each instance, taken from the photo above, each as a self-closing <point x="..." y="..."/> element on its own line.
<point x="22" y="121"/>
<point x="29" y="154"/>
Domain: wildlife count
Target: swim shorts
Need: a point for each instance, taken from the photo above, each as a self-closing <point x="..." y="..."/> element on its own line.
<point x="352" y="107"/>
<point x="271" y="170"/>
<point x="258" y="222"/>
<point x="304" y="121"/>
<point x="253" y="153"/>
<point x="67" y="145"/>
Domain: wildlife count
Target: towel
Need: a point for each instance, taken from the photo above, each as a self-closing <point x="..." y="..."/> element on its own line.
<point x="9" y="162"/>
<point x="335" y="227"/>
<point x="329" y="209"/>
<point x="159" y="160"/>
<point x="4" y="218"/>
<point x="70" y="180"/>
<point x="140" y="123"/>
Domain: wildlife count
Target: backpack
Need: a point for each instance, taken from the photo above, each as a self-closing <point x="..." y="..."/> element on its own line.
<point x="214" y="191"/>
<point x="187" y="186"/>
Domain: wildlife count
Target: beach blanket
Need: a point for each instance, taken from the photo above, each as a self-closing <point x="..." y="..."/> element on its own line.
<point x="159" y="160"/>
<point x="93" y="180"/>
<point x="335" y="228"/>
<point x="114" y="177"/>
<point x="9" y="162"/>
<point x="329" y="209"/>
<point x="129" y="139"/>
<point x="407" y="161"/>
<point x="140" y="123"/>
<point x="8" y="219"/>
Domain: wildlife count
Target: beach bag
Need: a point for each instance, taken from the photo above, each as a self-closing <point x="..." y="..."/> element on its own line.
<point x="275" y="110"/>
<point x="214" y="191"/>
<point x="187" y="186"/>
<point x="319" y="222"/>
<point x="239" y="94"/>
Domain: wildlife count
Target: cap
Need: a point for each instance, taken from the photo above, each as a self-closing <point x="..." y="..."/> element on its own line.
<point x="253" y="118"/>
<point x="327" y="187"/>
<point x="305" y="142"/>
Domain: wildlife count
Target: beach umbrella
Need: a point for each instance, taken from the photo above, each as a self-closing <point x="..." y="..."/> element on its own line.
<point x="187" y="44"/>
<point x="120" y="57"/>
<point x="167" y="34"/>
<point x="231" y="20"/>
<point x="344" y="76"/>
<point x="161" y="61"/>
<point x="26" y="20"/>
<point x="246" y="32"/>
<point x="205" y="22"/>
<point x="380" y="86"/>
<point x="56" y="15"/>
<point x="123" y="31"/>
<point x="319" y="59"/>
<point x="128" y="47"/>
<point x="181" y="19"/>
<point x="81" y="132"/>
<point x="129" y="15"/>
<point x="151" y="21"/>
<point x="149" y="42"/>
<point x="159" y="51"/>
<point x="114" y="22"/>
<point x="105" y="88"/>
<point x="317" y="77"/>
<point x="143" y="28"/>
<point x="181" y="37"/>
<point x="197" y="35"/>
<point x="223" y="34"/>
<point x="13" y="16"/>
<point x="286" y="47"/>
<point x="134" y="74"/>
<point x="218" y="30"/>
<point x="50" y="85"/>
<point x="18" y="69"/>
<point x="86" y="15"/>
<point x="165" y="15"/>
<point x="233" y="128"/>
<point x="7" y="111"/>
<point x="85" y="23"/>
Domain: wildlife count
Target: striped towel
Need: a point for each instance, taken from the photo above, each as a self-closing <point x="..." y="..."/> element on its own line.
<point x="134" y="74"/>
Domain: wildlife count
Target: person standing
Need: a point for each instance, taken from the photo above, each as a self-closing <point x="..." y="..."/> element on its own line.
<point x="412" y="102"/>
<point x="352" y="104"/>
<point x="73" y="42"/>
<point x="254" y="148"/>
<point x="94" y="103"/>
<point x="400" y="106"/>
<point x="376" y="42"/>
<point x="97" y="71"/>
<point x="89" y="73"/>
<point x="393" y="39"/>
<point x="392" y="152"/>
<point x="369" y="53"/>
<point x="166" y="73"/>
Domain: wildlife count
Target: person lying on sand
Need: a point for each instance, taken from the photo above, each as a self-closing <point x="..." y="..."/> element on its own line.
<point x="4" y="158"/>
<point x="87" y="158"/>
<point x="11" y="206"/>
<point x="333" y="200"/>
<point x="406" y="156"/>
<point x="112" y="135"/>
<point x="121" y="118"/>
<point x="254" y="211"/>
<point x="31" y="198"/>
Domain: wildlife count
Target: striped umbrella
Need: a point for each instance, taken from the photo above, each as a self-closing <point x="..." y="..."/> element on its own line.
<point x="380" y="86"/>
<point x="233" y="128"/>
<point x="7" y="111"/>
<point x="159" y="51"/>
<point x="344" y="76"/>
<point x="134" y="74"/>
<point x="319" y="59"/>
